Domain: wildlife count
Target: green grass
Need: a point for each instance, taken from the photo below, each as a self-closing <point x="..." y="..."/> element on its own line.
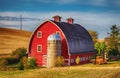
<point x="110" y="70"/>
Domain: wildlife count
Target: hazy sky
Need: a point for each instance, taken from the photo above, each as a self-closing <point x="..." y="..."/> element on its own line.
<point x="97" y="15"/>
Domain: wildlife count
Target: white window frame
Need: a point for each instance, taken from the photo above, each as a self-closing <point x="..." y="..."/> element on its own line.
<point x="72" y="60"/>
<point x="81" y="59"/>
<point x="38" y="35"/>
<point x="37" y="48"/>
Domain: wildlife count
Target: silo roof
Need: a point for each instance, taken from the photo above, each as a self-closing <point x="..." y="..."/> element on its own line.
<point x="78" y="38"/>
<point x="54" y="36"/>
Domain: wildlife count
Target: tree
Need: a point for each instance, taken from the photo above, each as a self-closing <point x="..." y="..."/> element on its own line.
<point x="114" y="36"/>
<point x="100" y="48"/>
<point x="114" y="39"/>
<point x="94" y="36"/>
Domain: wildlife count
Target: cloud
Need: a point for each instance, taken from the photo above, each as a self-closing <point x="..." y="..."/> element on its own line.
<point x="103" y="3"/>
<point x="55" y="1"/>
<point x="9" y="18"/>
<point x="99" y="22"/>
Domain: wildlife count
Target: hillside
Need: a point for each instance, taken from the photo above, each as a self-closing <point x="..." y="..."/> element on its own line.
<point x="10" y="39"/>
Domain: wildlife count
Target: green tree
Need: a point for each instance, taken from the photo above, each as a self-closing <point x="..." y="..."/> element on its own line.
<point x="100" y="47"/>
<point x="114" y="39"/>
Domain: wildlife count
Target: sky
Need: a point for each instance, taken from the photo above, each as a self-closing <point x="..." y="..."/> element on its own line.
<point x="96" y="15"/>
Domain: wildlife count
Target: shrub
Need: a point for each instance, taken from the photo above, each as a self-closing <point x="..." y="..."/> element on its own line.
<point x="19" y="53"/>
<point x="113" y="52"/>
<point x="77" y="60"/>
<point x="23" y="64"/>
<point x="3" y="64"/>
<point x="12" y="60"/>
<point x="32" y="62"/>
<point x="59" y="61"/>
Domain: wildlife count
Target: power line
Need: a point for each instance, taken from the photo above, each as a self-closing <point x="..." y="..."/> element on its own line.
<point x="20" y="22"/>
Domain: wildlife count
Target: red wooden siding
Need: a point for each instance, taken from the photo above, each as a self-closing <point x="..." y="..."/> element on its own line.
<point x="46" y="28"/>
<point x="84" y="57"/>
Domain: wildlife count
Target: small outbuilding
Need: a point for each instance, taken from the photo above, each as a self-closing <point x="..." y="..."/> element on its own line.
<point x="55" y="38"/>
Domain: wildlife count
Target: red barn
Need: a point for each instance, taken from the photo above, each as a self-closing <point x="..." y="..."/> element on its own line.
<point x="74" y="41"/>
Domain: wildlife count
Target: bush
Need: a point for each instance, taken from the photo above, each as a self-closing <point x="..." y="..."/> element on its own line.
<point x="32" y="62"/>
<point x="19" y="53"/>
<point x="59" y="61"/>
<point x="77" y="60"/>
<point x="3" y="64"/>
<point x="113" y="52"/>
<point x="23" y="64"/>
<point x="12" y="60"/>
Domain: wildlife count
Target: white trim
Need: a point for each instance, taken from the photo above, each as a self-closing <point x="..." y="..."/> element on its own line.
<point x="44" y="63"/>
<point x="72" y="60"/>
<point x="40" y="46"/>
<point x="66" y="59"/>
<point x="66" y="64"/>
<point x="32" y="35"/>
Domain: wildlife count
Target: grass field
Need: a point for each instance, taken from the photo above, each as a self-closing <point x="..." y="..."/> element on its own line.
<point x="110" y="70"/>
<point x="10" y="39"/>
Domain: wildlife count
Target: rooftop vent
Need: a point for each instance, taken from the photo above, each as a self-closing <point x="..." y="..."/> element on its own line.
<point x="70" y="20"/>
<point x="57" y="18"/>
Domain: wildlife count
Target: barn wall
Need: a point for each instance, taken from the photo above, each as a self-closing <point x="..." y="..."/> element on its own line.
<point x="47" y="28"/>
<point x="84" y="58"/>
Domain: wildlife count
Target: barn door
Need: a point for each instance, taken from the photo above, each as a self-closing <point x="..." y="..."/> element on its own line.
<point x="44" y="62"/>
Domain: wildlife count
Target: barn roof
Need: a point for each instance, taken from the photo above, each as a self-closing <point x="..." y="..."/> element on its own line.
<point x="78" y="38"/>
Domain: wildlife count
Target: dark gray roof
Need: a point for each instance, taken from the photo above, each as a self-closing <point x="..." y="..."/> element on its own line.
<point x="78" y="38"/>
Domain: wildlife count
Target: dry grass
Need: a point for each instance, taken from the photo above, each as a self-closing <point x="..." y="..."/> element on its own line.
<point x="110" y="70"/>
<point x="10" y="39"/>
<point x="65" y="72"/>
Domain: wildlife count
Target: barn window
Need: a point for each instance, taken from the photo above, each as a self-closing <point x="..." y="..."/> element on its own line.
<point x="39" y="48"/>
<point x="86" y="58"/>
<point x="89" y="57"/>
<point x="39" y="34"/>
<point x="81" y="59"/>
<point x="72" y="60"/>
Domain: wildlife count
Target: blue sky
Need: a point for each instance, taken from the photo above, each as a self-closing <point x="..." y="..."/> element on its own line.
<point x="97" y="15"/>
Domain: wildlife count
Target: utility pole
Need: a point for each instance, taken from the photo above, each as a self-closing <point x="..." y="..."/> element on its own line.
<point x="20" y="22"/>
